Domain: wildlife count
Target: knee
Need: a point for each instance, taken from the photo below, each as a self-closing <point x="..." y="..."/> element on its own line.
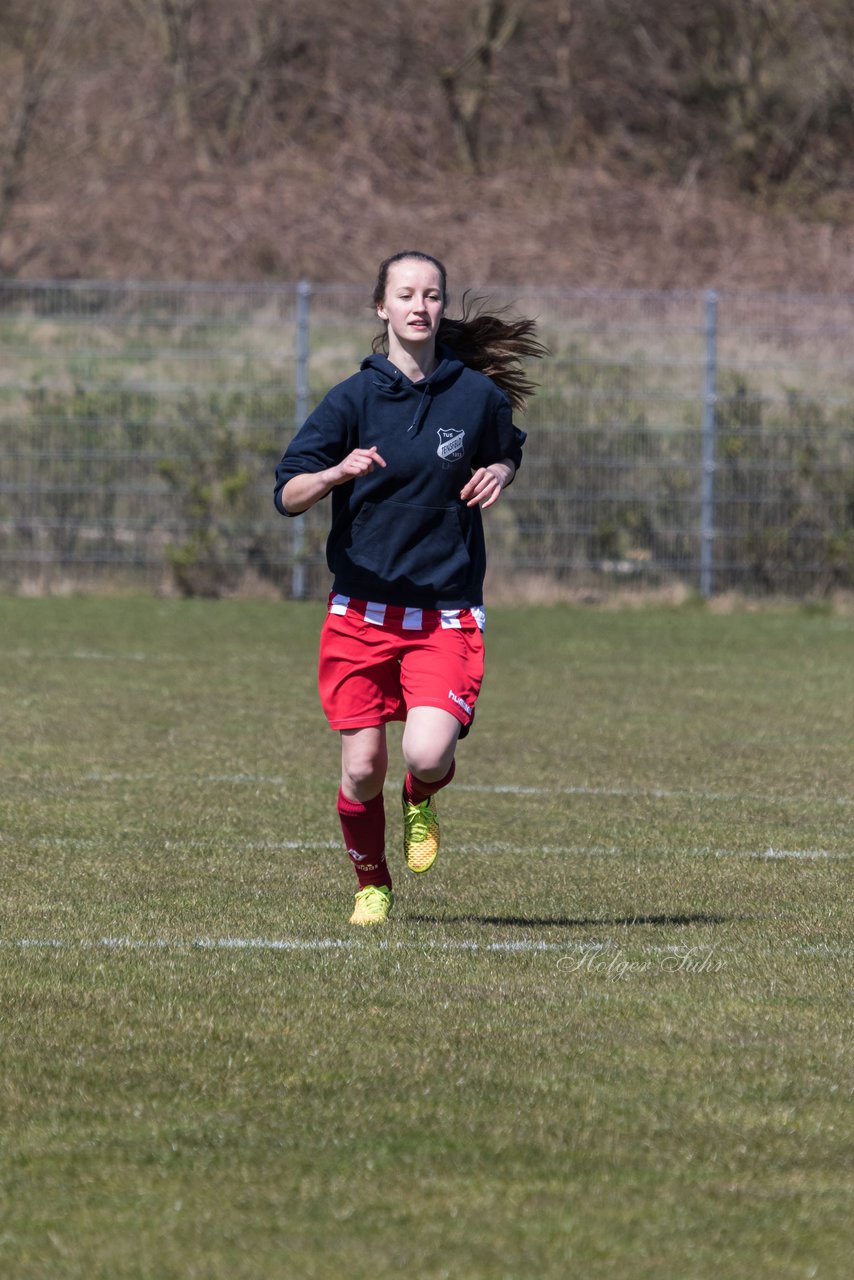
<point x="363" y="778"/>
<point x="430" y="743"/>
<point x="429" y="762"/>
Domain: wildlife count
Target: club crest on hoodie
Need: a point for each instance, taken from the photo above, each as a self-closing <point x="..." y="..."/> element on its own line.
<point x="452" y="445"/>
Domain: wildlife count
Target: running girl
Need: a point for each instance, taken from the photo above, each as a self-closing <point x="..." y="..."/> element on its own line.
<point x="412" y="448"/>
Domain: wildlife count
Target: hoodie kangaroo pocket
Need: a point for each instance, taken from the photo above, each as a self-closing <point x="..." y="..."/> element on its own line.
<point x="410" y="548"/>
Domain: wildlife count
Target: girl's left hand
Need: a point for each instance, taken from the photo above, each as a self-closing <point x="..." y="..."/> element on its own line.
<point x="486" y="484"/>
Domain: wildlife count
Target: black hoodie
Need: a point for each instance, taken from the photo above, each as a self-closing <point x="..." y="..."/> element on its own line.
<point x="401" y="535"/>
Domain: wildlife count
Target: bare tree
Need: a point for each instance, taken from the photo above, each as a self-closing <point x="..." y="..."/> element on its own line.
<point x="551" y="81"/>
<point x="221" y="61"/>
<point x="266" y="47"/>
<point x="469" y="85"/>
<point x="172" y="19"/>
<point x="31" y="46"/>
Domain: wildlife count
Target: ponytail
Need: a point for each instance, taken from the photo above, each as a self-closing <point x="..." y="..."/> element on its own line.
<point x="496" y="346"/>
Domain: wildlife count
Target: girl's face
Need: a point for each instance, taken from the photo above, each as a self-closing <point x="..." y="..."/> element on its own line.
<point x="414" y="302"/>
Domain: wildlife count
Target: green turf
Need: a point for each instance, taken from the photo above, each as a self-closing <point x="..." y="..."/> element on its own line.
<point x="608" y="1036"/>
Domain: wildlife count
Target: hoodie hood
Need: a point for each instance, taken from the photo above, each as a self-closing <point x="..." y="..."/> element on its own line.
<point x="390" y="382"/>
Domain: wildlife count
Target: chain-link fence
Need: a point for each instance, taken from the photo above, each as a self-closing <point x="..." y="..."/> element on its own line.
<point x="677" y="438"/>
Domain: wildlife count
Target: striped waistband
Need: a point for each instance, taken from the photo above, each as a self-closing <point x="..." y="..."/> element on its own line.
<point x="400" y="618"/>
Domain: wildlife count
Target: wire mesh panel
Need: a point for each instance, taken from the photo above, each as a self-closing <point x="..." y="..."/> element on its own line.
<point x="676" y="438"/>
<point x="784" y="474"/>
<point x="611" y="482"/>
<point x="136" y="424"/>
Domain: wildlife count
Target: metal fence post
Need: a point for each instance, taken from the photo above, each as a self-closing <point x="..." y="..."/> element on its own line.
<point x="302" y="357"/>
<point x="707" y="494"/>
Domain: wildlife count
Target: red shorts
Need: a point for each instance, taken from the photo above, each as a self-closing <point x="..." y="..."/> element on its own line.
<point x="378" y="661"/>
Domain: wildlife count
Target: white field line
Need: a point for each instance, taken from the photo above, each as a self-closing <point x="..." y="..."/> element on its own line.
<point x="653" y="793"/>
<point x="586" y="946"/>
<point x="296" y="944"/>
<point x="494" y="849"/>
<point x="159" y="659"/>
<point x="619" y="793"/>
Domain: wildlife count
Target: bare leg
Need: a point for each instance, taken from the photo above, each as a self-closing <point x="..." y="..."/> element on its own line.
<point x="364" y="762"/>
<point x="429" y="742"/>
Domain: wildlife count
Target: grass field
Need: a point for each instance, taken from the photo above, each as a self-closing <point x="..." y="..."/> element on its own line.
<point x="608" y="1036"/>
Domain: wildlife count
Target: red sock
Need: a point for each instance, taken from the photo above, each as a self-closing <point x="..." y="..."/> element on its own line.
<point x="363" y="828"/>
<point x="415" y="790"/>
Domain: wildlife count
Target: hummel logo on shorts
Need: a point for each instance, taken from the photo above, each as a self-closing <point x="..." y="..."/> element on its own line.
<point x="461" y="703"/>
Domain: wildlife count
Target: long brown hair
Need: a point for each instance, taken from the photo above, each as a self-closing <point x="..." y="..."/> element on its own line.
<point x="494" y="344"/>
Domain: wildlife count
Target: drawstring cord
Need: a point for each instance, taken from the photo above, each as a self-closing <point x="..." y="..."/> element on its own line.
<point x="421" y="412"/>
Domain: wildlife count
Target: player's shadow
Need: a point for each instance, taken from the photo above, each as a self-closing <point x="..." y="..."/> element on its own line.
<point x="574" y="922"/>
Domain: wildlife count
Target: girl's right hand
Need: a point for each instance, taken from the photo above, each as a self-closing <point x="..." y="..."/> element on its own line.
<point x="303" y="490"/>
<point x="357" y="463"/>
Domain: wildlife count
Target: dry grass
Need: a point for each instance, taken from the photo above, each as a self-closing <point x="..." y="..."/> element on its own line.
<point x="607" y="156"/>
<point x="566" y="226"/>
<point x="204" y="1073"/>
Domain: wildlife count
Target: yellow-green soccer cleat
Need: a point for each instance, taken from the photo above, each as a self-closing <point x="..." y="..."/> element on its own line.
<point x="420" y="834"/>
<point x="373" y="903"/>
